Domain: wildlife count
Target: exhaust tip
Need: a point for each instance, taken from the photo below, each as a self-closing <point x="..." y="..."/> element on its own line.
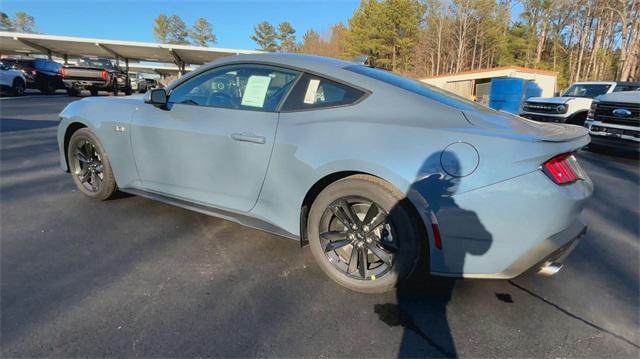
<point x="549" y="269"/>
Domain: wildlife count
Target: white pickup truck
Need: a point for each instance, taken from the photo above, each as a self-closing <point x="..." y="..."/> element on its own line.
<point x="614" y="121"/>
<point x="572" y="107"/>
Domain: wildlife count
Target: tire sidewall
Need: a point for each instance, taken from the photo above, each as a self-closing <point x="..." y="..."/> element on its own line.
<point x="18" y="87"/>
<point x="108" y="186"/>
<point x="405" y="233"/>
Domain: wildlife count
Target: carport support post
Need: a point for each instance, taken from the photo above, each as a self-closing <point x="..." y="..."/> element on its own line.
<point x="66" y="59"/>
<point x="126" y="64"/>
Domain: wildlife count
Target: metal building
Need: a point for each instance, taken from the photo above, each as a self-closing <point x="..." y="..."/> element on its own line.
<point x="475" y="84"/>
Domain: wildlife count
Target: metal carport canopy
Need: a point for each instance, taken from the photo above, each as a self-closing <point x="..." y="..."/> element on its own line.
<point x="64" y="46"/>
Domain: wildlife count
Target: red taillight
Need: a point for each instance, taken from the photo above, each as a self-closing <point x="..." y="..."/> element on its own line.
<point x="104" y="74"/>
<point x="562" y="169"/>
<point x="61" y="71"/>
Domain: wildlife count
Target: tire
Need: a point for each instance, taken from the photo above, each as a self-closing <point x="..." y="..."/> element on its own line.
<point x="398" y="235"/>
<point x="127" y="90"/>
<point x="91" y="171"/>
<point x="72" y="91"/>
<point x="94" y="92"/>
<point x="17" y="87"/>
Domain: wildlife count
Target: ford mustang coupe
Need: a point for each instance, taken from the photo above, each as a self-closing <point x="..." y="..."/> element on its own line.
<point x="375" y="171"/>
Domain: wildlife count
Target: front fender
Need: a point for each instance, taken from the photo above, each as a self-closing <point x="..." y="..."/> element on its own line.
<point x="109" y="120"/>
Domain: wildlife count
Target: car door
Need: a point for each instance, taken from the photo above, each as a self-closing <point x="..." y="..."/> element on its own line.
<point x="4" y="75"/>
<point x="213" y="142"/>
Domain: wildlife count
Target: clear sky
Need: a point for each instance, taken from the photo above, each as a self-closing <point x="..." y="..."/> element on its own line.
<point x="232" y="21"/>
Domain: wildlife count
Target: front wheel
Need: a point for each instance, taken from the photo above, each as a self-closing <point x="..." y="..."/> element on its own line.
<point x="362" y="234"/>
<point x="89" y="166"/>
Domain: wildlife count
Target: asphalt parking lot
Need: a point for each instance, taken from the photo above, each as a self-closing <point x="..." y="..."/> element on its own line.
<point x="134" y="277"/>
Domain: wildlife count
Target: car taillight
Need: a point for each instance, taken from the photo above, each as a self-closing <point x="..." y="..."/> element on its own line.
<point x="104" y="74"/>
<point x="62" y="72"/>
<point x="563" y="169"/>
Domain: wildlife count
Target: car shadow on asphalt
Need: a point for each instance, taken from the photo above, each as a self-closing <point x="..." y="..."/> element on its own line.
<point x="421" y="307"/>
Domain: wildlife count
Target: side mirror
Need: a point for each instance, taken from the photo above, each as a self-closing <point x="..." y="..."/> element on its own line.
<point x="156" y="97"/>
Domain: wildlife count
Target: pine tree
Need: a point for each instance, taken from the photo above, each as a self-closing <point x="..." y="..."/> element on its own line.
<point x="286" y="36"/>
<point x="161" y="28"/>
<point x="177" y="31"/>
<point x="202" y="33"/>
<point x="5" y="22"/>
<point x="265" y="36"/>
<point x="24" y="22"/>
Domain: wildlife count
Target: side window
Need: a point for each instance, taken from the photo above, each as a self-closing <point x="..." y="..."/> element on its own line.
<point x="317" y="92"/>
<point x="247" y="87"/>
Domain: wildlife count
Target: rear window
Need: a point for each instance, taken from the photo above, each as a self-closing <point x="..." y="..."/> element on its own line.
<point x="47" y="65"/>
<point x="418" y="87"/>
<point x="313" y="92"/>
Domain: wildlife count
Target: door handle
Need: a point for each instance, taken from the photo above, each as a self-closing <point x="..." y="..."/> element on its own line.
<point x="246" y="137"/>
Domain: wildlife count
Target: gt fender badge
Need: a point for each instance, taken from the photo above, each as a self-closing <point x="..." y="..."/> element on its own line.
<point x="119" y="128"/>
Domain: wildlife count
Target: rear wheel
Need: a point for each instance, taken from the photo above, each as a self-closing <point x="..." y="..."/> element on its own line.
<point x="89" y="166"/>
<point x="362" y="235"/>
<point x="17" y="87"/>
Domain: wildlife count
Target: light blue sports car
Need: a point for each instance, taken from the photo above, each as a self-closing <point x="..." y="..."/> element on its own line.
<point x="378" y="173"/>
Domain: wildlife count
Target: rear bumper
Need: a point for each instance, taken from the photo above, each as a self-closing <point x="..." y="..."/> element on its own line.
<point x="503" y="230"/>
<point x="617" y="143"/>
<point x="74" y="83"/>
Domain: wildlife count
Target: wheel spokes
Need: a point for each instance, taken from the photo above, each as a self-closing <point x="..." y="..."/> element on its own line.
<point x="377" y="221"/>
<point x="362" y="262"/>
<point x="343" y="217"/>
<point x="353" y="261"/>
<point x="372" y="212"/>
<point x="333" y="235"/>
<point x="81" y="156"/>
<point x="384" y="255"/>
<point x="85" y="177"/>
<point x="94" y="181"/>
<point x="332" y="246"/>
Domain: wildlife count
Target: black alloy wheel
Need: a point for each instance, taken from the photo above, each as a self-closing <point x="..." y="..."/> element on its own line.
<point x="357" y="238"/>
<point x="363" y="234"/>
<point x="88" y="166"/>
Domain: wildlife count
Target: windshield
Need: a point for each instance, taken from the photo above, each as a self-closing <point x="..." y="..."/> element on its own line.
<point x="418" y="87"/>
<point x="103" y="63"/>
<point x="587" y="90"/>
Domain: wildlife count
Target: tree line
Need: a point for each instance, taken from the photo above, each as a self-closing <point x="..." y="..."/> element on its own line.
<point x="20" y="22"/>
<point x="171" y="29"/>
<point x="580" y="39"/>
